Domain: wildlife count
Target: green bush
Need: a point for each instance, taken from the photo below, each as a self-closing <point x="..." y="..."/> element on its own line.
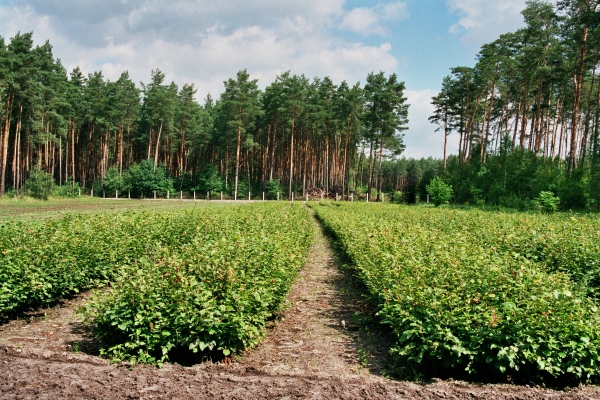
<point x="68" y="189"/>
<point x="143" y="179"/>
<point x="439" y="191"/>
<point x="209" y="181"/>
<point x="547" y="202"/>
<point x="463" y="292"/>
<point x="214" y="293"/>
<point x="40" y="184"/>
<point x="274" y="189"/>
<point x="113" y="181"/>
<point x="397" y="197"/>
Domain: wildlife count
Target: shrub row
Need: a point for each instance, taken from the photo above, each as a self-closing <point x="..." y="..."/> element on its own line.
<point x="562" y="242"/>
<point x="43" y="261"/>
<point x="216" y="292"/>
<point x="462" y="303"/>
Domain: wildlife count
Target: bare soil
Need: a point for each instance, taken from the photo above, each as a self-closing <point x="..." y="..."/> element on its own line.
<point x="326" y="345"/>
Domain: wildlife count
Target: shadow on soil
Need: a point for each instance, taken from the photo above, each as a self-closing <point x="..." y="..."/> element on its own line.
<point x="88" y="343"/>
<point x="35" y="311"/>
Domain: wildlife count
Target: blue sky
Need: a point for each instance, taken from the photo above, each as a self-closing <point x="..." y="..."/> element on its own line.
<point x="206" y="42"/>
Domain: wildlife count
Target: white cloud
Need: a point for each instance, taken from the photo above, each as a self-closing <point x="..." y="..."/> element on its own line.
<point x="421" y="139"/>
<point x="362" y="20"/>
<point x="368" y="21"/>
<point x="482" y="21"/>
<point x="201" y="42"/>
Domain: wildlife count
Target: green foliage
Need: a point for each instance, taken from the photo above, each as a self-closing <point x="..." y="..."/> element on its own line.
<point x="439" y="191"/>
<point x="210" y="180"/>
<point x="183" y="182"/>
<point x="40" y="184"/>
<point x="70" y="189"/>
<point x="243" y="189"/>
<point x="479" y="292"/>
<point x="573" y="190"/>
<point x="213" y="291"/>
<point x="547" y="202"/>
<point x="188" y="279"/>
<point x="113" y="181"/>
<point x="397" y="197"/>
<point x="274" y="189"/>
<point x="143" y="179"/>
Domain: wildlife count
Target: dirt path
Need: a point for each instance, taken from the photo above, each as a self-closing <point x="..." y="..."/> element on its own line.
<point x="308" y="354"/>
<point x="326" y="331"/>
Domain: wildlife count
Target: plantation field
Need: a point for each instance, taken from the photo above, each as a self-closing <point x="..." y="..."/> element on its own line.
<point x="465" y="292"/>
<point x="28" y="209"/>
<point x="199" y="277"/>
<point x="511" y="295"/>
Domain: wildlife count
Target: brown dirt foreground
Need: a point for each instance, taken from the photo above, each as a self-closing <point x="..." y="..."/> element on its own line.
<point x="324" y="347"/>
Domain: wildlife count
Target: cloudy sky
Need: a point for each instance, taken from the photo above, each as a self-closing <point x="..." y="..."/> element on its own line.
<point x="207" y="41"/>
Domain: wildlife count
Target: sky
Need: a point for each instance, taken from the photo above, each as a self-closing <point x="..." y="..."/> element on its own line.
<point x="206" y="42"/>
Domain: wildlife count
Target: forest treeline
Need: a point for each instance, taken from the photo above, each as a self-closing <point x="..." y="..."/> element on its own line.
<point x="527" y="115"/>
<point x="298" y="134"/>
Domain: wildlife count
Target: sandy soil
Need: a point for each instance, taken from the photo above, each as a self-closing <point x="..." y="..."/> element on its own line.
<point x="324" y="346"/>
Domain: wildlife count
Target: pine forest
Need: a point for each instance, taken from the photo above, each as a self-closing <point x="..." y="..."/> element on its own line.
<point x="526" y="117"/>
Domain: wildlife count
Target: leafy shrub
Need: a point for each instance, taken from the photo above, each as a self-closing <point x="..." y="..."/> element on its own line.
<point x="459" y="297"/>
<point x="274" y="188"/>
<point x="243" y="189"/>
<point x="40" y="184"/>
<point x="547" y="202"/>
<point x="69" y="189"/>
<point x="143" y="179"/>
<point x="113" y="181"/>
<point x="397" y="197"/>
<point x="439" y="191"/>
<point x="214" y="293"/>
<point x="573" y="191"/>
<point x="42" y="262"/>
<point x="209" y="180"/>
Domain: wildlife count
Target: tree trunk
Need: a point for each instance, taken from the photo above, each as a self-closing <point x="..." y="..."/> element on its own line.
<point x="370" y="184"/>
<point x="4" y="141"/>
<point x="292" y="157"/>
<point x="157" y="145"/>
<point x="578" y="81"/>
<point x="379" y="174"/>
